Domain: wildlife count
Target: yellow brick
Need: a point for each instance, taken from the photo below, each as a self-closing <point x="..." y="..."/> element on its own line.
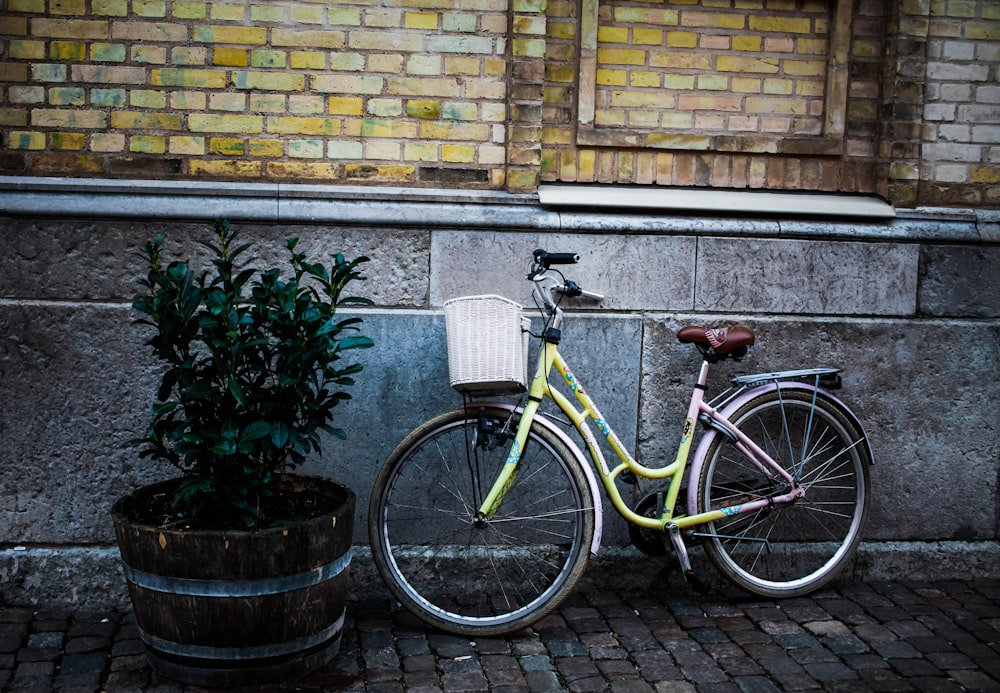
<point x="713" y="82"/>
<point x="384" y="174"/>
<point x="147" y="144"/>
<point x="226" y="146"/>
<point x="612" y="78"/>
<point x="150" y="8"/>
<point x="345" y="17"/>
<point x="107" y="142"/>
<point x="26" y="140"/>
<point x="640" y="15"/>
<point x="729" y="63"/>
<point x="156" y="55"/>
<point x="188" y="100"/>
<point x="32" y="6"/>
<point x="229" y="57"/>
<point x="811" y="46"/>
<point x="678" y="82"/>
<point x="745" y="85"/>
<point x="390" y="129"/>
<point x="228" y="11"/>
<point x="150" y="31"/>
<point x="784" y="25"/>
<point x="27" y="50"/>
<point x="64" y="118"/>
<point x="374" y="149"/>
<point x="307" y="39"/>
<point x="747" y="43"/>
<point x="69" y="28"/>
<point x="985" y="174"/>
<point x="188" y="78"/>
<point x="78" y="7"/>
<point x="301" y="170"/>
<point x="111" y="8"/>
<point x="647" y="37"/>
<point x="713" y="20"/>
<point x="267" y="13"/>
<point x="306" y="14"/>
<point x="68" y="50"/>
<point x="458" y="153"/>
<point x="346" y="105"/>
<point x="268" y="103"/>
<point x="186" y="145"/>
<point x="347" y="84"/>
<point x="227" y="168"/>
<point x="303" y="125"/>
<point x="470" y="132"/>
<point x="641" y="78"/>
<point x="612" y="34"/>
<point x="268" y="58"/>
<point x="420" y="151"/>
<point x="269" y="81"/>
<point x="682" y="39"/>
<point x="146" y="98"/>
<point x="227" y="101"/>
<point x="307" y="60"/>
<point x="420" y="20"/>
<point x="140" y="120"/>
<point x="67" y="141"/>
<point x="239" y="35"/>
<point x="182" y="9"/>
<point x="620" y="56"/>
<point x="804" y="68"/>
<point x="271" y="148"/>
<point x="208" y="122"/>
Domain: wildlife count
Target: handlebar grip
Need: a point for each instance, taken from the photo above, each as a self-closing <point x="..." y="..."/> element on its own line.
<point x="546" y="258"/>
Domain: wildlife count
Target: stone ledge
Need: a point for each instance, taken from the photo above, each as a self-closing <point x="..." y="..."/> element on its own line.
<point x="375" y="206"/>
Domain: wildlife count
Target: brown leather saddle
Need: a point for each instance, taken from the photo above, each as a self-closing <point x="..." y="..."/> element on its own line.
<point x="721" y="342"/>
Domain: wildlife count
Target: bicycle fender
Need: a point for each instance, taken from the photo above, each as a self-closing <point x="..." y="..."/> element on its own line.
<point x="581" y="460"/>
<point x="726" y="412"/>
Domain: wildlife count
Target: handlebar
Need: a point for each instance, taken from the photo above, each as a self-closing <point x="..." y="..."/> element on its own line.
<point x="547" y="259"/>
<point x="547" y="284"/>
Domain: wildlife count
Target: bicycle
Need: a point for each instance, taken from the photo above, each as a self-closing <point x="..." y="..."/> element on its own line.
<point x="482" y="519"/>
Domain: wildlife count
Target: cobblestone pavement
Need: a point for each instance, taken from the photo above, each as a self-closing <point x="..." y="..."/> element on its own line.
<point x="942" y="636"/>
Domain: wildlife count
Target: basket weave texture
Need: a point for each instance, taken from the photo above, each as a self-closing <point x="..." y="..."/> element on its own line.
<point x="487" y="345"/>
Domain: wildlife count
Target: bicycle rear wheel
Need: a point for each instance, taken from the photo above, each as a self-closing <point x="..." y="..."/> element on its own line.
<point x="471" y="576"/>
<point x="792" y="549"/>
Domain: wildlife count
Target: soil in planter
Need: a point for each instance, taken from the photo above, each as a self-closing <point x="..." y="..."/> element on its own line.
<point x="289" y="504"/>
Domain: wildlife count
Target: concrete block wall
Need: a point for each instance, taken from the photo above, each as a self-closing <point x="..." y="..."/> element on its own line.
<point x="906" y="307"/>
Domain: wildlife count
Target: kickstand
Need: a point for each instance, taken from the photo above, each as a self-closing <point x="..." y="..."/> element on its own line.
<point x="698" y="582"/>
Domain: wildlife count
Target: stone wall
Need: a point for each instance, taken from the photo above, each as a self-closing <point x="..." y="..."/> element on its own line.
<point x="907" y="307"/>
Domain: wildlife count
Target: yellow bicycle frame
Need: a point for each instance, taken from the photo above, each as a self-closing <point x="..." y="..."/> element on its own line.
<point x="541" y="388"/>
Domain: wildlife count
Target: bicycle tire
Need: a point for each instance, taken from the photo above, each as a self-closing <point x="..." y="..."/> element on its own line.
<point x="793" y="549"/>
<point x="479" y="577"/>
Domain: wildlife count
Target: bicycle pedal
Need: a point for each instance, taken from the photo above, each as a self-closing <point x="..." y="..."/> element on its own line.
<point x="698" y="582"/>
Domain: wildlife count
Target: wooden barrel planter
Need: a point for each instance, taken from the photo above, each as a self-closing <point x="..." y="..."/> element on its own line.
<point x="227" y="608"/>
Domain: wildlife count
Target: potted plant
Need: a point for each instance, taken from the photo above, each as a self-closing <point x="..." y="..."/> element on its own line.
<point x="237" y="567"/>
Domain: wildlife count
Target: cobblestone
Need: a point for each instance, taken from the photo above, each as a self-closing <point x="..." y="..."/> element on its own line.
<point x="852" y="637"/>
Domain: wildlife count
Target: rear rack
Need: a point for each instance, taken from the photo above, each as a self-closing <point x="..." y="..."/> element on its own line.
<point x="826" y="378"/>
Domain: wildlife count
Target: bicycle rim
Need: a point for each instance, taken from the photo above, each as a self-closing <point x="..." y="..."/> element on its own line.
<point x="792" y="549"/>
<point x="489" y="577"/>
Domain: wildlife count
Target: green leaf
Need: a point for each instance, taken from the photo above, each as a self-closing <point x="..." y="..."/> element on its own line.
<point x="279" y="434"/>
<point x="237" y="391"/>
<point x="258" y="429"/>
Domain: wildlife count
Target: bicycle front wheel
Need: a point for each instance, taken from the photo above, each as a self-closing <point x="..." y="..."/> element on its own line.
<point x="790" y="549"/>
<point x="480" y="576"/>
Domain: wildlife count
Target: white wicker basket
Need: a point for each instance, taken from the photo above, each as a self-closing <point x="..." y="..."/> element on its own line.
<point x="487" y="345"/>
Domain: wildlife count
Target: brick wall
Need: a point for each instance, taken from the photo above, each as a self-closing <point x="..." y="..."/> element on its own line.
<point x="401" y="93"/>
<point x="894" y="97"/>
